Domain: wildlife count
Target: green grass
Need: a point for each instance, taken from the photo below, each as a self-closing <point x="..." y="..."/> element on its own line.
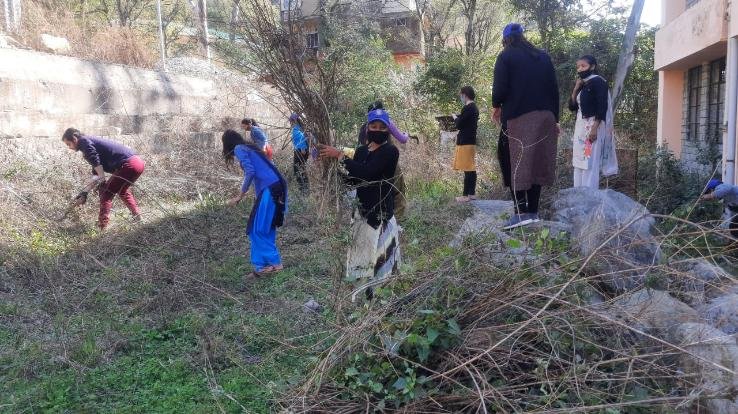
<point x="136" y="334"/>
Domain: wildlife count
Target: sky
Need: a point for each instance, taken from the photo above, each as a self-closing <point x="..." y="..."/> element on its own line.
<point x="651" y="10"/>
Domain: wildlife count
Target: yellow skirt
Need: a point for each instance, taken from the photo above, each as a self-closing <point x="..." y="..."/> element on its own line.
<point x="464" y="158"/>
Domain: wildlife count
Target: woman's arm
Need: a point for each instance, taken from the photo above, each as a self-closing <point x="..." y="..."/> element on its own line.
<point x="396" y="133"/>
<point x="500" y="82"/>
<point x="372" y="171"/>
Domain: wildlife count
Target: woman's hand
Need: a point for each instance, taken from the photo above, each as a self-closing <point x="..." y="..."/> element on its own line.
<point x="235" y="200"/>
<point x="592" y="137"/>
<point x="706" y="197"/>
<point x="327" y="151"/>
<point x="578" y="85"/>
<point x="497" y="116"/>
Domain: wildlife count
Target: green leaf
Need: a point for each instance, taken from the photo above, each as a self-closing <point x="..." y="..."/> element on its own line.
<point x="376" y="387"/>
<point x="351" y="372"/>
<point x="423" y="352"/>
<point x="514" y="243"/>
<point x="400" y="384"/>
<point x="431" y="334"/>
<point x="453" y="327"/>
<point x="544" y="233"/>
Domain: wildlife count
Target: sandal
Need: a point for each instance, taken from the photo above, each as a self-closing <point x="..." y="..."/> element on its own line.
<point x="463" y="199"/>
<point x="272" y="269"/>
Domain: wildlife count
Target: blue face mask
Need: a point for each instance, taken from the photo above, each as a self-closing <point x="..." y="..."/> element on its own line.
<point x="462" y="98"/>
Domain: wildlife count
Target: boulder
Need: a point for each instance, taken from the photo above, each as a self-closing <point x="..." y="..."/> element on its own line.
<point x="711" y="356"/>
<point x="695" y="279"/>
<point x="722" y="313"/>
<point x="654" y="311"/>
<point x="615" y="228"/>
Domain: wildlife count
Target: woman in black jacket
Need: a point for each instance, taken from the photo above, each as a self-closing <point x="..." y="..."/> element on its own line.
<point x="590" y="99"/>
<point x="466" y="143"/>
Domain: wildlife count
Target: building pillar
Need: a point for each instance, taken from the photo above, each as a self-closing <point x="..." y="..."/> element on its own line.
<point x="731" y="112"/>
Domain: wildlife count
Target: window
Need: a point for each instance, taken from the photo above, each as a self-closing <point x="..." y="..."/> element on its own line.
<point x="716" y="101"/>
<point x="313" y="40"/>
<point x="693" y="111"/>
<point x="291" y="5"/>
<point x="401" y="22"/>
<point x="691" y="3"/>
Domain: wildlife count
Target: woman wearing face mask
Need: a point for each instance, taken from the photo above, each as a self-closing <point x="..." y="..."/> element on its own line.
<point x="593" y="132"/>
<point x="466" y="143"/>
<point x="374" y="253"/>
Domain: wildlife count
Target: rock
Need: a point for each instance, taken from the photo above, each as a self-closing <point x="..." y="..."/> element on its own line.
<point x="695" y="279"/>
<point x="653" y="310"/>
<point x="312" y="306"/>
<point x="722" y="312"/>
<point x="55" y="44"/>
<point x="488" y="217"/>
<point x="596" y="215"/>
<point x="710" y="355"/>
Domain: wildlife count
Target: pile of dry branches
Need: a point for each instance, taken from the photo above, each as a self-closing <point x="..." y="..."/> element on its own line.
<point x="533" y="337"/>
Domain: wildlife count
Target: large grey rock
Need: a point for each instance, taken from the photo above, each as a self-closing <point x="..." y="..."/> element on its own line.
<point x="696" y="279"/>
<point x="653" y="311"/>
<point x="615" y="228"/>
<point x="722" y="312"/>
<point x="711" y="357"/>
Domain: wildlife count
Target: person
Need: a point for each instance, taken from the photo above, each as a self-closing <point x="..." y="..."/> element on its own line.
<point x="375" y="250"/>
<point x="717" y="190"/>
<point x="301" y="152"/>
<point x="257" y="135"/>
<point x="525" y="98"/>
<point x="400" y="199"/>
<point x="106" y="156"/>
<point x="593" y="131"/>
<point x="393" y="130"/>
<point x="270" y="205"/>
<point x="466" y="143"/>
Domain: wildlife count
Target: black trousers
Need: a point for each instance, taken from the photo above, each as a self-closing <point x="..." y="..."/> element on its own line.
<point x="299" y="166"/>
<point x="527" y="201"/>
<point x="470" y="183"/>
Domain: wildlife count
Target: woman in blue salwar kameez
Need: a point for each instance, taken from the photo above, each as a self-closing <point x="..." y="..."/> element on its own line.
<point x="270" y="205"/>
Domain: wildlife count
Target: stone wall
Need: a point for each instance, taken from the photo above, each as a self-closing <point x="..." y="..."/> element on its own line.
<point x="43" y="94"/>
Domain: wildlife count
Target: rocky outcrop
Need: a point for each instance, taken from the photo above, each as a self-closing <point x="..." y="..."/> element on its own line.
<point x="612" y="228"/>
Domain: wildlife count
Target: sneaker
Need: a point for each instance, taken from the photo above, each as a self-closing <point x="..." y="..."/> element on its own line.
<point x="533" y="217"/>
<point x="518" y="220"/>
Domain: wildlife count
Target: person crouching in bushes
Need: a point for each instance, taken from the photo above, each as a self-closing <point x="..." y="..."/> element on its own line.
<point x="466" y="143"/>
<point x="270" y="205"/>
<point x="301" y="152"/>
<point x="717" y="190"/>
<point x="106" y="156"/>
<point x="374" y="253"/>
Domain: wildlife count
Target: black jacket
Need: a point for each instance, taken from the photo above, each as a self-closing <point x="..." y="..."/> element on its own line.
<point x="467" y="123"/>
<point x="525" y="81"/>
<point x="373" y="173"/>
<point x="594" y="99"/>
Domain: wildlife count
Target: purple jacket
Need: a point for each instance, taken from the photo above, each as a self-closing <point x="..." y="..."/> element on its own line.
<point x="99" y="151"/>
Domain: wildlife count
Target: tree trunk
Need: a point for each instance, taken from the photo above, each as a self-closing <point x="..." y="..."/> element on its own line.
<point x="235" y="9"/>
<point x="627" y="54"/>
<point x="12" y="11"/>
<point x="200" y="18"/>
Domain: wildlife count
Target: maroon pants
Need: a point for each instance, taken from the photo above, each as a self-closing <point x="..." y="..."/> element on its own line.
<point x="120" y="183"/>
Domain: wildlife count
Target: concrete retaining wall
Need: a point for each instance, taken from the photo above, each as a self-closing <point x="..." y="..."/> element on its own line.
<point x="42" y="94"/>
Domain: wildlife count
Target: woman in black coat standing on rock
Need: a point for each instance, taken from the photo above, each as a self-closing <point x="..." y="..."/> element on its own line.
<point x="466" y="143"/>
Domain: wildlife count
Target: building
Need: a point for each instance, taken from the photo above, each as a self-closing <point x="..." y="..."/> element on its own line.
<point x="697" y="59"/>
<point x="396" y="19"/>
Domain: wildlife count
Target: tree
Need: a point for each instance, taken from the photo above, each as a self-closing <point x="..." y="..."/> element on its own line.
<point x="550" y="16"/>
<point x="200" y="19"/>
<point x="627" y="55"/>
<point x="482" y="18"/>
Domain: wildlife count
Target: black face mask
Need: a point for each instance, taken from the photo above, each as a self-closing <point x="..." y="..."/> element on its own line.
<point x="377" y="137"/>
<point x="585" y="74"/>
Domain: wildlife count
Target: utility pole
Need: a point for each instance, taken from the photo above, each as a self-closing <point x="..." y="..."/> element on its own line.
<point x="161" y="35"/>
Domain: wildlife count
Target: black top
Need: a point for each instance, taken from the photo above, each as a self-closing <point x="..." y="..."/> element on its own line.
<point x="467" y="123"/>
<point x="594" y="99"/>
<point x="524" y="82"/>
<point x="99" y="151"/>
<point x="373" y="173"/>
